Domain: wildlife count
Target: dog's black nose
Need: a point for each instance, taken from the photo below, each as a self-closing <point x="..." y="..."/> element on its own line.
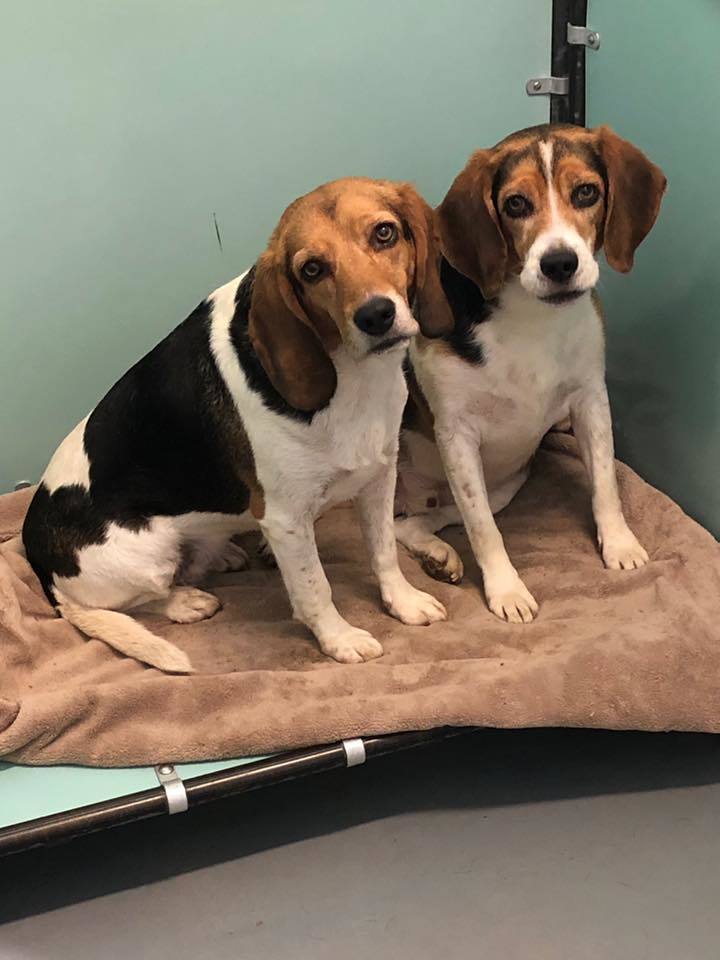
<point x="376" y="316"/>
<point x="559" y="265"/>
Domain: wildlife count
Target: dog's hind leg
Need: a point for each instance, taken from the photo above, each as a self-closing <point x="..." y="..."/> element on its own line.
<point x="210" y="555"/>
<point x="184" y="604"/>
<point x="417" y="534"/>
<point x="131" y="570"/>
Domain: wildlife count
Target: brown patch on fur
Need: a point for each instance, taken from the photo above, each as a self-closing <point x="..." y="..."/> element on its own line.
<point x="598" y="307"/>
<point x="257" y="502"/>
<point x="242" y="460"/>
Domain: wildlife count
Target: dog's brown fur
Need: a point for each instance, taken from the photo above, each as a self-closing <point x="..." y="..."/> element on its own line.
<point x="483" y="242"/>
<point x="296" y="323"/>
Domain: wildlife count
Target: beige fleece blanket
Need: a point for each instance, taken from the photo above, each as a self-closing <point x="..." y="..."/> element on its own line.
<point x="624" y="650"/>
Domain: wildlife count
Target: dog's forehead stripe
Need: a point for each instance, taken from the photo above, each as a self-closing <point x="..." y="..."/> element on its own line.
<point x="545" y="148"/>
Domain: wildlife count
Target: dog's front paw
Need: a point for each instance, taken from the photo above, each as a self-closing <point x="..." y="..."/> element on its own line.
<point x="412" y="606"/>
<point x="511" y="601"/>
<point x="621" y="550"/>
<point x="351" y="646"/>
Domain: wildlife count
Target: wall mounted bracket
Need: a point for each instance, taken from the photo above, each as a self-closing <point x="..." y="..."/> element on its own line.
<point x="540" y="86"/>
<point x="583" y="36"/>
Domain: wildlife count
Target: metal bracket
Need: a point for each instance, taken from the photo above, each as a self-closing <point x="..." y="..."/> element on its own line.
<point x="583" y="36"/>
<point x="174" y="788"/>
<point x="537" y="86"/>
<point x="354" y="752"/>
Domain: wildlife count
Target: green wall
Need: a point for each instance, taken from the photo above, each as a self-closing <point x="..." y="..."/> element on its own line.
<point x="656" y="79"/>
<point x="126" y="125"/>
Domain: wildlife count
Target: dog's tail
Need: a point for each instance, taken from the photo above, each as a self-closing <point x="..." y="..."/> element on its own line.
<point x="128" y="636"/>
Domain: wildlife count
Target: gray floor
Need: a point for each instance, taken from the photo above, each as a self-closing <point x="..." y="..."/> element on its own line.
<point x="511" y="846"/>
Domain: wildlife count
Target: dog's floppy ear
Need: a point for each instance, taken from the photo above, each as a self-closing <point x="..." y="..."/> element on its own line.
<point x="469" y="228"/>
<point x="289" y="349"/>
<point x="635" y="189"/>
<point x="430" y="305"/>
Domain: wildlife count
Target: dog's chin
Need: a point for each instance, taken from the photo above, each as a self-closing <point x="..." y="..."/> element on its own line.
<point x="392" y="344"/>
<point x="561" y="297"/>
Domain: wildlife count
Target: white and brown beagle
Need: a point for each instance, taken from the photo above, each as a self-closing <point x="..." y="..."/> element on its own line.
<point x="519" y="231"/>
<point x="280" y="395"/>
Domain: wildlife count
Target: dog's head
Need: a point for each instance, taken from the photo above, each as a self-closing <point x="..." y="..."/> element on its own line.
<point x="542" y="202"/>
<point x="349" y="263"/>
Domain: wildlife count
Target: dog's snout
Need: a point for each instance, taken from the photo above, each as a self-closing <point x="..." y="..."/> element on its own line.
<point x="376" y="316"/>
<point x="559" y="265"/>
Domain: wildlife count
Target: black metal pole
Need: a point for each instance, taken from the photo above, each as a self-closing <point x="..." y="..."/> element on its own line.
<point x="576" y="66"/>
<point x="568" y="60"/>
<point x="559" y="106"/>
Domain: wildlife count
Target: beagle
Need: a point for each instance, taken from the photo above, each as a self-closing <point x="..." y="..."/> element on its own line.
<point x="280" y="395"/>
<point x="519" y="230"/>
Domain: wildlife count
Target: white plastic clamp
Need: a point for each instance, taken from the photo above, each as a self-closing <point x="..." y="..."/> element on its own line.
<point x="354" y="752"/>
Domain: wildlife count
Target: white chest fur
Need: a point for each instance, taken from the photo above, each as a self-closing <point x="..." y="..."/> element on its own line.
<point x="358" y="432"/>
<point x="537" y="356"/>
<point x="312" y="465"/>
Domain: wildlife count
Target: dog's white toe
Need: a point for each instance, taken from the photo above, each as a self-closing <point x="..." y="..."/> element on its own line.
<point x="623" y="551"/>
<point x="190" y="605"/>
<point x="513" y="603"/>
<point x="352" y="646"/>
<point x="414" y="607"/>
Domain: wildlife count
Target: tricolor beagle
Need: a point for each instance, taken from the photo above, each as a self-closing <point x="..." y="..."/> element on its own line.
<point x="280" y="395"/>
<point x="519" y="230"/>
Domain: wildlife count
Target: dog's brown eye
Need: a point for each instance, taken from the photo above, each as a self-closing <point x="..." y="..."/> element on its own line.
<point x="385" y="233"/>
<point x="518" y="206"/>
<point x="585" y="195"/>
<point x="312" y="270"/>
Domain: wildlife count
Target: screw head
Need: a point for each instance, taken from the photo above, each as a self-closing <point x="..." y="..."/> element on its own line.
<point x="537" y="85"/>
<point x="592" y="39"/>
<point x="165" y="769"/>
